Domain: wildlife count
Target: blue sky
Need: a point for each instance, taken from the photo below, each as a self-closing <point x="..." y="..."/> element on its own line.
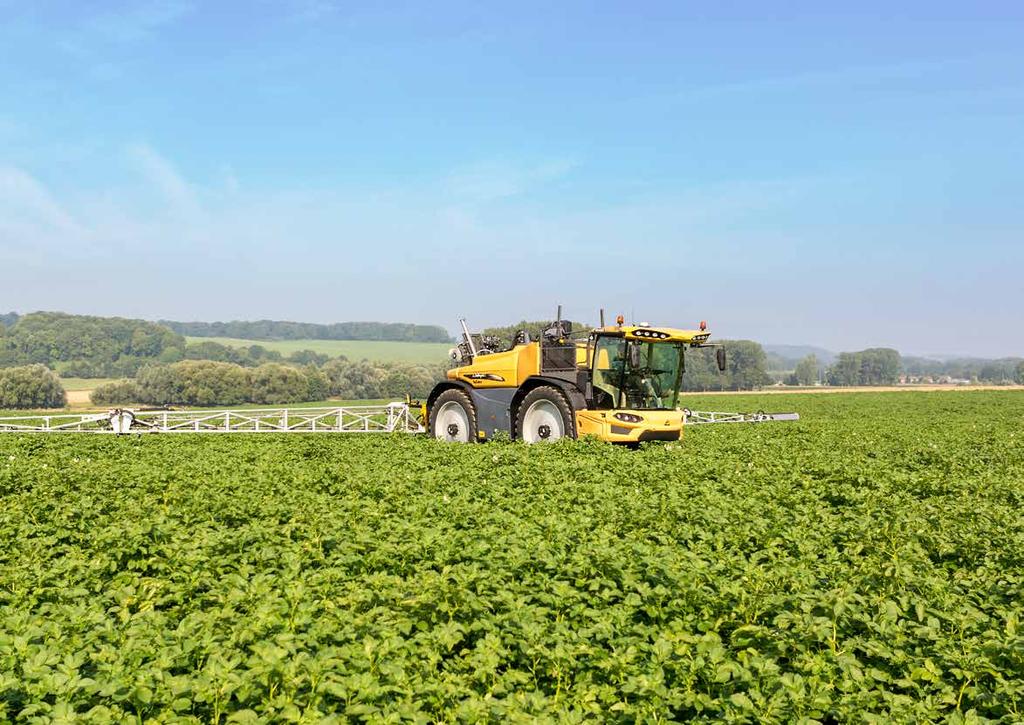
<point x="795" y="174"/>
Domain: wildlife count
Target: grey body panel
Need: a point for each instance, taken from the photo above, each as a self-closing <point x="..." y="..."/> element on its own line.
<point x="492" y="409"/>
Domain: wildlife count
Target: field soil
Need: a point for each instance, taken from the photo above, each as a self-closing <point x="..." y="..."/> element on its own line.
<point x="79" y="398"/>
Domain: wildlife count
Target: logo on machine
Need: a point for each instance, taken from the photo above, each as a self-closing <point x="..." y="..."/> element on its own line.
<point x="484" y="376"/>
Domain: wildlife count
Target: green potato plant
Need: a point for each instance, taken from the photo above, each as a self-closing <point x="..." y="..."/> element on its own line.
<point x="865" y="563"/>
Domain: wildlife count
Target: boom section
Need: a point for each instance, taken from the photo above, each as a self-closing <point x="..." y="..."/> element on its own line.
<point x="383" y="418"/>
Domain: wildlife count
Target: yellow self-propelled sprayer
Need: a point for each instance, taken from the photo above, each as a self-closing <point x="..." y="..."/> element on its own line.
<point x="620" y="383"/>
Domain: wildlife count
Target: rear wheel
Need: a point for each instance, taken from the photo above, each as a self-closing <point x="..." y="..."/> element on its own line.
<point x="544" y="416"/>
<point x="452" y="417"/>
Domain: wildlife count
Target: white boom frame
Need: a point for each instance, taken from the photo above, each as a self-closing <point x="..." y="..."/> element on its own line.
<point x="385" y="418"/>
<point x="702" y="417"/>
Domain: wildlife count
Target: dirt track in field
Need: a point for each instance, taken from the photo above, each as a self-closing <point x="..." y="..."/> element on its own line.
<point x="78" y="398"/>
<point x="857" y="389"/>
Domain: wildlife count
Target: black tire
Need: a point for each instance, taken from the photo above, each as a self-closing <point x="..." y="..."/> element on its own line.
<point x="446" y="424"/>
<point x="549" y="401"/>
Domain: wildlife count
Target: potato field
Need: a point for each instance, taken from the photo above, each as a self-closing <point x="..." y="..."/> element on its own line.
<point x="864" y="563"/>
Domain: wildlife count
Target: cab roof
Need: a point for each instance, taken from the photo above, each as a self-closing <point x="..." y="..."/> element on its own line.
<point x="652" y="333"/>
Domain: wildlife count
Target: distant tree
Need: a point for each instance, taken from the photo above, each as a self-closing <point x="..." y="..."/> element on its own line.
<point x="275" y="383"/>
<point x="207" y="350"/>
<point x="283" y="330"/>
<point x="745" y="367"/>
<point x="31" y="386"/>
<point x="1018" y="374"/>
<point x="362" y="380"/>
<point x="307" y="357"/>
<point x="194" y="382"/>
<point x="84" y="345"/>
<point x="171" y="355"/>
<point x="992" y="373"/>
<point x="119" y="392"/>
<point x="880" y="366"/>
<point x="317" y="385"/>
<point x="845" y="370"/>
<point x="257" y="354"/>
<point x="806" y="372"/>
<point x="874" y="366"/>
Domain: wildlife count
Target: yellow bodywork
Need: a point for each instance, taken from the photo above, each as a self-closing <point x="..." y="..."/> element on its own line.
<point x="510" y="369"/>
<point x="502" y="369"/>
<point x="658" y="334"/>
<point x="604" y="425"/>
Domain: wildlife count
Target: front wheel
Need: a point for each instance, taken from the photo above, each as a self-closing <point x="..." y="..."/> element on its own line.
<point x="544" y="416"/>
<point x="452" y="417"/>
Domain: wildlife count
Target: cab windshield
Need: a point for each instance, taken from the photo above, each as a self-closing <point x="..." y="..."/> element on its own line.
<point x="636" y="375"/>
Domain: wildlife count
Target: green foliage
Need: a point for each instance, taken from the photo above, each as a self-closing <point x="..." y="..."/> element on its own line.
<point x="998" y="371"/>
<point x="745" y="367"/>
<point x="274" y="383"/>
<point x="987" y="371"/>
<point x="205" y="382"/>
<point x="364" y="380"/>
<point x="863" y="564"/>
<point x="31" y="386"/>
<point x="194" y="382"/>
<point x="1018" y="375"/>
<point x="806" y="372"/>
<point x="118" y="392"/>
<point x="280" y="330"/>
<point x="535" y="329"/>
<point x="250" y="356"/>
<point x="304" y="351"/>
<point x="874" y="366"/>
<point x="83" y="346"/>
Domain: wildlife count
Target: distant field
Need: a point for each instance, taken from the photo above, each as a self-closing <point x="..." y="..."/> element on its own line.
<point x="414" y="352"/>
<point x="71" y="384"/>
<point x="78" y="390"/>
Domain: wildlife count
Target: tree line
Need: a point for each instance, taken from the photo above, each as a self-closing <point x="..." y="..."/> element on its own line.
<point x="874" y="366"/>
<point x="283" y="330"/>
<point x="980" y="369"/>
<point x="95" y="347"/>
<point x="885" y="366"/>
<point x="207" y="382"/>
<point x="86" y="346"/>
<point x="248" y="356"/>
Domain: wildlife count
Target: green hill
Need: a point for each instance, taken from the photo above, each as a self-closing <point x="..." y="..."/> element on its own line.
<point x="413" y="352"/>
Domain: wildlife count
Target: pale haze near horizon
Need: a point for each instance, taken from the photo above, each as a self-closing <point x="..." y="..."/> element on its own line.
<point x="844" y="178"/>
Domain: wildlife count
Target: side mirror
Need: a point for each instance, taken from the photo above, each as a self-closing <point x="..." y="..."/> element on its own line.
<point x="634" y="355"/>
<point x="720" y="357"/>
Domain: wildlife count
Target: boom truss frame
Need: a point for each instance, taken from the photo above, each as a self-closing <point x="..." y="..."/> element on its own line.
<point x="384" y="418"/>
<point x="703" y="417"/>
<point x="381" y="418"/>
